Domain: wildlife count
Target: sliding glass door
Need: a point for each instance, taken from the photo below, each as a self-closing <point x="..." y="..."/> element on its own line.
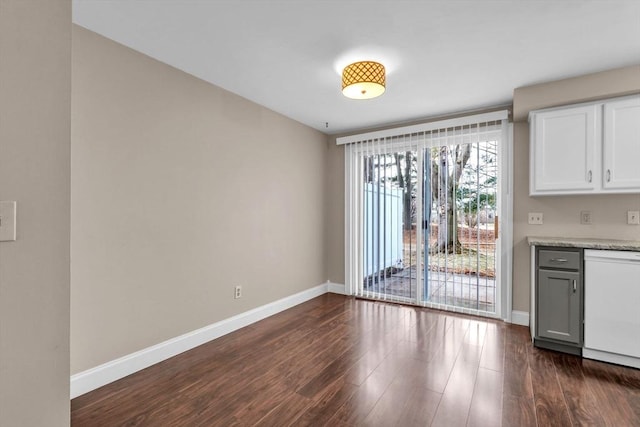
<point x="423" y="218"/>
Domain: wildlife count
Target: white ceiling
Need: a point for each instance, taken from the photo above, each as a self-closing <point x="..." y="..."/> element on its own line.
<point x="441" y="56"/>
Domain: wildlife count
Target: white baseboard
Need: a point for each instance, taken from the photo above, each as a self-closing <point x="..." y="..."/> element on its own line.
<point x="520" y="318"/>
<point x="336" y="288"/>
<point x="91" y="379"/>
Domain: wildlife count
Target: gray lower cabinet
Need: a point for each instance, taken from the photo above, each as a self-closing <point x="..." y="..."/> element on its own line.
<point x="559" y="295"/>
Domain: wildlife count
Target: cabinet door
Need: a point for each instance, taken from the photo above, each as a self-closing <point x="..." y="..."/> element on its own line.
<point x="559" y="305"/>
<point x="621" y="147"/>
<point x="564" y="148"/>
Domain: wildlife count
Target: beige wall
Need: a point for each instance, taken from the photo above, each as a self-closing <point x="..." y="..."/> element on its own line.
<point x="334" y="213"/>
<point x="35" y="80"/>
<point x="180" y="191"/>
<point x="562" y="213"/>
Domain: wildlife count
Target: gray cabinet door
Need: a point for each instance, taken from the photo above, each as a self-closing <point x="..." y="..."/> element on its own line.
<point x="559" y="305"/>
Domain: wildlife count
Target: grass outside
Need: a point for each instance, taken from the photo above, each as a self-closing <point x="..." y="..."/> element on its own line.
<point x="477" y="257"/>
<point x="469" y="261"/>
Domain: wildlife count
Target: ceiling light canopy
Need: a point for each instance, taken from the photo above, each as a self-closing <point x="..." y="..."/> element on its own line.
<point x="363" y="80"/>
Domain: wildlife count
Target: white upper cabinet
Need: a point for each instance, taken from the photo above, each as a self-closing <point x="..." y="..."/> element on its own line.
<point x="621" y="155"/>
<point x="564" y="150"/>
<point x="586" y="149"/>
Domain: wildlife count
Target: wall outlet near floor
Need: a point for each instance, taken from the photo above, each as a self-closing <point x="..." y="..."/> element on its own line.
<point x="237" y="292"/>
<point x="585" y="217"/>
<point x="633" y="217"/>
<point x="535" y="218"/>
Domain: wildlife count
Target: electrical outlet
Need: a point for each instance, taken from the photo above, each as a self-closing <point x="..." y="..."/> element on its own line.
<point x="633" y="217"/>
<point x="585" y="217"/>
<point x="237" y="292"/>
<point x="535" y="218"/>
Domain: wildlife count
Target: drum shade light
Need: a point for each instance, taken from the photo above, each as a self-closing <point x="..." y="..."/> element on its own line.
<point x="363" y="80"/>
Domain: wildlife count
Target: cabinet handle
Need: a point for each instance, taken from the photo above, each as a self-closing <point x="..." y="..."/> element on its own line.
<point x="590" y="176"/>
<point x="608" y="175"/>
<point x="575" y="286"/>
<point x="558" y="260"/>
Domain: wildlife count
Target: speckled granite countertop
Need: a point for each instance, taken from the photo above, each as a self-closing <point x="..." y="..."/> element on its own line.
<point x="618" y="245"/>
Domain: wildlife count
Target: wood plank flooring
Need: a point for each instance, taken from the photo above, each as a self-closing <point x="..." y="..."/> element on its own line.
<point x="338" y="361"/>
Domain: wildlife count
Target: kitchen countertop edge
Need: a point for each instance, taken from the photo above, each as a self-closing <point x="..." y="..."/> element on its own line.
<point x="585" y="243"/>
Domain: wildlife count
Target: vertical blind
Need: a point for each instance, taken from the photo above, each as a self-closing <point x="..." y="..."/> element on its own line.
<point x="403" y="213"/>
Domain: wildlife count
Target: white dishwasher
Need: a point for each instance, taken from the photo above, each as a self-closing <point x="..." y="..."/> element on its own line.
<point x="612" y="306"/>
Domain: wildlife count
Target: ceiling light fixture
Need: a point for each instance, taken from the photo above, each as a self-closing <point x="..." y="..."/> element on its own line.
<point x="363" y="80"/>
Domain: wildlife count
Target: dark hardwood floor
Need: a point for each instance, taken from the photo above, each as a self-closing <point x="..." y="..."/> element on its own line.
<point x="339" y="361"/>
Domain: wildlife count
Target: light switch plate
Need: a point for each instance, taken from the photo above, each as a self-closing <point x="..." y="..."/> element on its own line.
<point x="7" y="221"/>
<point x="633" y="217"/>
